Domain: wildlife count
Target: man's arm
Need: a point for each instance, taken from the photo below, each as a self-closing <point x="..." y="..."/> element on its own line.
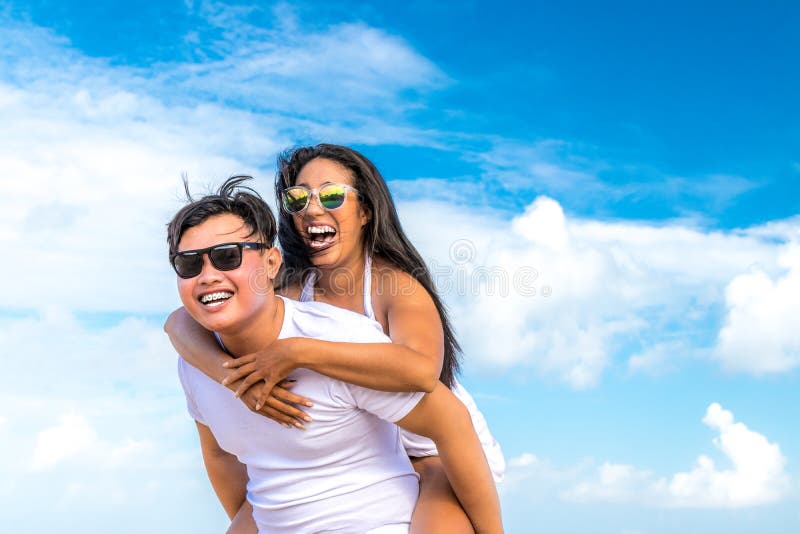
<point x="444" y="419"/>
<point x="227" y="474"/>
<point x="243" y="522"/>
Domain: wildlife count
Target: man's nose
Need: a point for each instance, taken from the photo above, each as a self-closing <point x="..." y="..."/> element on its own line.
<point x="209" y="274"/>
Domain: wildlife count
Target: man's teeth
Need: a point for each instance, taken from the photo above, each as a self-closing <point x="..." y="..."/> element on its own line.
<point x="215" y="299"/>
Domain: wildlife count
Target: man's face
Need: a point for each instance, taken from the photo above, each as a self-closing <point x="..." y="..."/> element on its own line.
<point x="227" y="301"/>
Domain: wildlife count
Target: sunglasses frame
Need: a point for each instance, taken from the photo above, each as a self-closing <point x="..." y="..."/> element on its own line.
<point x="200" y="252"/>
<point x="315" y="193"/>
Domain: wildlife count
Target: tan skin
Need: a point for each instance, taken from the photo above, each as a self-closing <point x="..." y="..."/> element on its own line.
<point x="405" y="310"/>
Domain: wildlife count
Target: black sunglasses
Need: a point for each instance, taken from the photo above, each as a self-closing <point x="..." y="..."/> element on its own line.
<point x="225" y="257"/>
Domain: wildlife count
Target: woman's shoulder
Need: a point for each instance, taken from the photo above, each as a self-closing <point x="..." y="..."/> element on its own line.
<point x="393" y="284"/>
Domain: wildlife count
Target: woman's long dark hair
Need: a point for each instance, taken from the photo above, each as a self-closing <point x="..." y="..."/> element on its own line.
<point x="383" y="235"/>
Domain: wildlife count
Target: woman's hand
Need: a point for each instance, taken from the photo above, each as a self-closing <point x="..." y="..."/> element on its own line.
<point x="280" y="406"/>
<point x="271" y="365"/>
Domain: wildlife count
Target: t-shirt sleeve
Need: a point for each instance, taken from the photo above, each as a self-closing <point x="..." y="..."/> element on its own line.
<point x="191" y="406"/>
<point x="388" y="405"/>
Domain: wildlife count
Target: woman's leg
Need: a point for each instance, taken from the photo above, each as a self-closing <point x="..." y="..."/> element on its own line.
<point x="438" y="510"/>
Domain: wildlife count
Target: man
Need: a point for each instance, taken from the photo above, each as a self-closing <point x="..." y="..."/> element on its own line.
<point x="347" y="472"/>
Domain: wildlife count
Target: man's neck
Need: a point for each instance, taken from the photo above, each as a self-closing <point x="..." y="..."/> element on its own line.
<point x="257" y="333"/>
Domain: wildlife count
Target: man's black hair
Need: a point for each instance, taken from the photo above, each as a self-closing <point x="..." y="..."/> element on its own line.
<point x="232" y="197"/>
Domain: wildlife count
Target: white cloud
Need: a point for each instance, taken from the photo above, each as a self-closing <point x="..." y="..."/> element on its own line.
<point x="348" y="73"/>
<point x="660" y="357"/>
<point x="756" y="476"/>
<point x="763" y="319"/>
<point x="565" y="295"/>
<point x="524" y="460"/>
<point x="576" y="173"/>
<point x="615" y="483"/>
<point x="537" y="478"/>
<point x="72" y="435"/>
<point x="73" y="359"/>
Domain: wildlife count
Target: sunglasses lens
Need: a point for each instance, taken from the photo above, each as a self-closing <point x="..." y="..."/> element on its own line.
<point x="295" y="199"/>
<point x="188" y="265"/>
<point x="226" y="257"/>
<point x="331" y="196"/>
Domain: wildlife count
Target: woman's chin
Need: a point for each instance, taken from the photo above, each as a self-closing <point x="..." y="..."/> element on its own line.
<point x="324" y="257"/>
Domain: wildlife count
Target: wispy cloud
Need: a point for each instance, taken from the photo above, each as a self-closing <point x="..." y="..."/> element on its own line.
<point x="349" y="82"/>
<point x="590" y="182"/>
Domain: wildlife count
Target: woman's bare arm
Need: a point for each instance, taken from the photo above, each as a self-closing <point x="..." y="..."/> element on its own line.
<point x="195" y="344"/>
<point x="412" y="362"/>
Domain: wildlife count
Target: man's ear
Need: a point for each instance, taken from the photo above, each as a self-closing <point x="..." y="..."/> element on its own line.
<point x="262" y="279"/>
<point x="272" y="262"/>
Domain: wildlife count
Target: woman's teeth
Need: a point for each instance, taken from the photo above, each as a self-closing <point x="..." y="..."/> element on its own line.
<point x="320" y="230"/>
<point x="320" y="236"/>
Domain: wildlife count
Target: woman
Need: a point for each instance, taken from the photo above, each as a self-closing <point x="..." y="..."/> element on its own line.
<point x="343" y="245"/>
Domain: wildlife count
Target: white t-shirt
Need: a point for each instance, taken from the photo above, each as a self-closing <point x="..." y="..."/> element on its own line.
<point x="347" y="472"/>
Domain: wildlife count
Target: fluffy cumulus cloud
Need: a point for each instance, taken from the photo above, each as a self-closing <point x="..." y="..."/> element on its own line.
<point x="564" y="295"/>
<point x="763" y="318"/>
<point x="756" y="474"/>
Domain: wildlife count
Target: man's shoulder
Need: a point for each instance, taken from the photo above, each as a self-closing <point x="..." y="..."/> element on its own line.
<point x="190" y="375"/>
<point x="329" y="323"/>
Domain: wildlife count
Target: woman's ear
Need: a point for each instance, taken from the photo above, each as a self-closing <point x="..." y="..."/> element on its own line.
<point x="365" y="214"/>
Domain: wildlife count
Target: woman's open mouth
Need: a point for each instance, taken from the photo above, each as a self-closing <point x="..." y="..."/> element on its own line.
<point x="320" y="237"/>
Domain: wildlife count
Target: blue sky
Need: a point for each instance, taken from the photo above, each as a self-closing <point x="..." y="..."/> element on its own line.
<point x="643" y="159"/>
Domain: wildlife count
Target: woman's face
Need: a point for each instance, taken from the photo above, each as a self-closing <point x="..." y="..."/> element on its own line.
<point x="334" y="237"/>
